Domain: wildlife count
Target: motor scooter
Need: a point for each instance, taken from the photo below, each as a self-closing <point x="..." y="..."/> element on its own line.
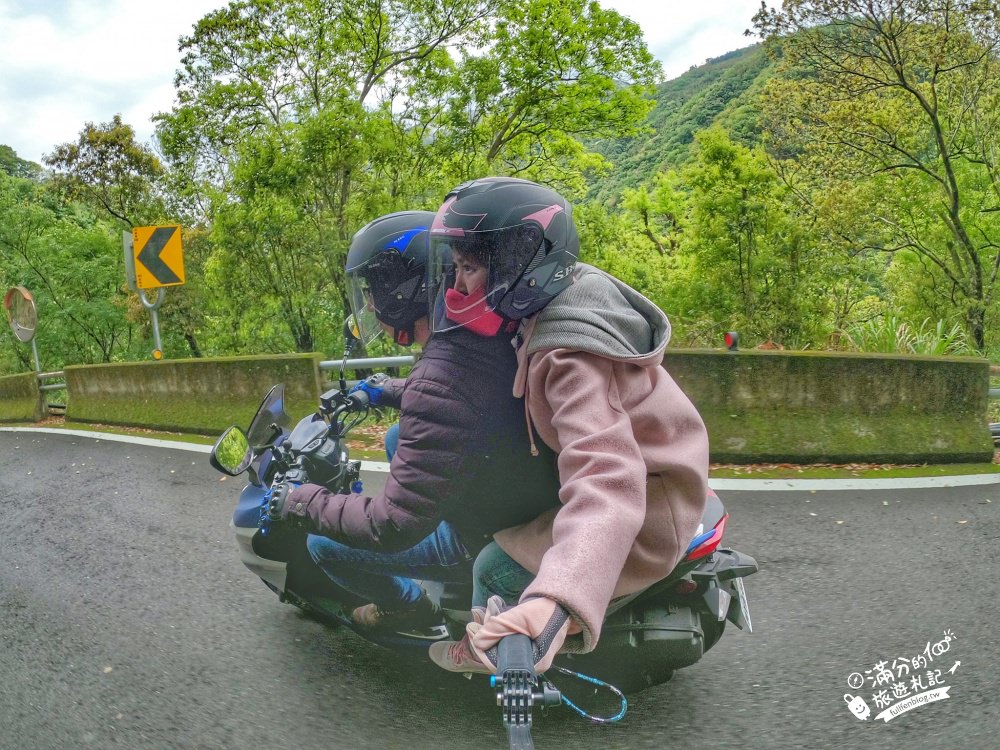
<point x="645" y="637"/>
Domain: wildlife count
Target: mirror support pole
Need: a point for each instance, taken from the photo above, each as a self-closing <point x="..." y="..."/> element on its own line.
<point x="161" y="293"/>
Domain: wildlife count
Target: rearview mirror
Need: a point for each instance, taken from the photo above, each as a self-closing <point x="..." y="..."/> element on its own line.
<point x="232" y="453"/>
<point x="352" y="334"/>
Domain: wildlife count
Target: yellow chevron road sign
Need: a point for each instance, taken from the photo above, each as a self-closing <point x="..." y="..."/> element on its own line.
<point x="159" y="256"/>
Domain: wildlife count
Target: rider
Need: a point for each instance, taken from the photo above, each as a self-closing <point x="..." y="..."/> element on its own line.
<point x="460" y="470"/>
<point x="632" y="449"/>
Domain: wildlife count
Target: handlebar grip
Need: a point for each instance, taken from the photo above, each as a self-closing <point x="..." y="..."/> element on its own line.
<point x="358" y="401"/>
<point x="515" y="653"/>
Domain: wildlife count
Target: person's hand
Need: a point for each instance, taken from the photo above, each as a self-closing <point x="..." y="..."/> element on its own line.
<point x="372" y="386"/>
<point x="543" y="620"/>
<point x="279" y="500"/>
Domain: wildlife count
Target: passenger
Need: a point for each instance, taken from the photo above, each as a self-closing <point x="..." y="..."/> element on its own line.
<point x="632" y="449"/>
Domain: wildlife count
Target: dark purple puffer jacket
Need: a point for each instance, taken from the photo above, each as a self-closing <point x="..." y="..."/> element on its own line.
<point x="463" y="456"/>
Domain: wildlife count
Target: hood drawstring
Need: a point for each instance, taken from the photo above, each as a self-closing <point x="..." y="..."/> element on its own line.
<point x="527" y="418"/>
<point x="521" y="378"/>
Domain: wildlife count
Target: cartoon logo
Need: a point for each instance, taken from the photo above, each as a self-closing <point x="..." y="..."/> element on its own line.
<point x="905" y="682"/>
<point x="858" y="706"/>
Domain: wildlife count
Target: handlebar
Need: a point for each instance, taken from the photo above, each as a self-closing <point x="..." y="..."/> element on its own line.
<point x="337" y="401"/>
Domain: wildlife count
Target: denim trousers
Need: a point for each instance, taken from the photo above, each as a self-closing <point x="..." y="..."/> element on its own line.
<point x="386" y="578"/>
<point x="496" y="573"/>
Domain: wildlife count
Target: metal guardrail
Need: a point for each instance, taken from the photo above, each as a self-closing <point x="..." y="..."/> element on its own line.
<point x="367" y="363"/>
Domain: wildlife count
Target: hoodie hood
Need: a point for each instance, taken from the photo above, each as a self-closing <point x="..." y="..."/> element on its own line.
<point x="601" y="315"/>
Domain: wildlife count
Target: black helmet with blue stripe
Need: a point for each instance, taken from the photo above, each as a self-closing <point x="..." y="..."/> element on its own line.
<point x="386" y="274"/>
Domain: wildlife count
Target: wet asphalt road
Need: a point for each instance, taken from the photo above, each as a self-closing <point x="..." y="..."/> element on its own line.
<point x="127" y="620"/>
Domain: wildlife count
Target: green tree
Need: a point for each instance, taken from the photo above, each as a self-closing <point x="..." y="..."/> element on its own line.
<point x="300" y="120"/>
<point x="551" y="75"/>
<point x="898" y="98"/>
<point x="108" y="169"/>
<point x="72" y="263"/>
<point x="123" y="180"/>
<point x="15" y="166"/>
<point x="754" y="264"/>
<point x="661" y="213"/>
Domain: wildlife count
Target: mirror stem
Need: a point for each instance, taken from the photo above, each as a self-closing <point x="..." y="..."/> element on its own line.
<point x="343" y="365"/>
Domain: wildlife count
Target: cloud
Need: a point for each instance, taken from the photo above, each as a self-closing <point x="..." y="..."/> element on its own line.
<point x="681" y="35"/>
<point x="68" y="62"/>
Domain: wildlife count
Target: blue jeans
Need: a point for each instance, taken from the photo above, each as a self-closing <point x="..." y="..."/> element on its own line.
<point x="391" y="440"/>
<point x="386" y="578"/>
<point x="496" y="573"/>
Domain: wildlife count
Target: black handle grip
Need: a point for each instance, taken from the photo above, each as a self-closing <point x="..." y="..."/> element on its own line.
<point x="515" y="653"/>
<point x="357" y="401"/>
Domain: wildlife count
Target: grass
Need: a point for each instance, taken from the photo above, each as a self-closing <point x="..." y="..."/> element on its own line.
<point x="853" y="471"/>
<point x="365" y="443"/>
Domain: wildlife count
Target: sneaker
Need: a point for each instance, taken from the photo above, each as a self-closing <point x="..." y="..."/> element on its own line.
<point x="457" y="656"/>
<point x="423" y="614"/>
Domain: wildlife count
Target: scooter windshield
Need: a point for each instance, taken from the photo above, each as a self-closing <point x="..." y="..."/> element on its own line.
<point x="270" y="419"/>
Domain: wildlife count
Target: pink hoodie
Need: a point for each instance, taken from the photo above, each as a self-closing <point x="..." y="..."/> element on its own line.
<point x="633" y="450"/>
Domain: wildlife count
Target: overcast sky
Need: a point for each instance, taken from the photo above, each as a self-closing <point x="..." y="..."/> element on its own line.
<point x="67" y="62"/>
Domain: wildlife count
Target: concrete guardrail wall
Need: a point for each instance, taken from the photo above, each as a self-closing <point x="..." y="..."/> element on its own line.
<point x="190" y="395"/>
<point x="20" y="399"/>
<point x="760" y="406"/>
<point x="806" y="407"/>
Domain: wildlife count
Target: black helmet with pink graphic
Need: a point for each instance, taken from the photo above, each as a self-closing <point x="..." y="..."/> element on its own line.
<point x="521" y="233"/>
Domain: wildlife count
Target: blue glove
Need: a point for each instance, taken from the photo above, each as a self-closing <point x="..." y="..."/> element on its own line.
<point x="372" y="386"/>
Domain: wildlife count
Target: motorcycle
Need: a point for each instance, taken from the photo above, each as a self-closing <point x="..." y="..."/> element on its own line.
<point x="645" y="637"/>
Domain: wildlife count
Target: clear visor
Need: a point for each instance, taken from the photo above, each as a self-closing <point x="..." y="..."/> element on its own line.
<point x="366" y="325"/>
<point x="471" y="274"/>
<point x="388" y="289"/>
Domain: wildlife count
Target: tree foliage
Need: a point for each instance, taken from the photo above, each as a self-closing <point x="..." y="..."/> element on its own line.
<point x="72" y="263"/>
<point x="109" y="170"/>
<point x="896" y="100"/>
<point x="299" y="121"/>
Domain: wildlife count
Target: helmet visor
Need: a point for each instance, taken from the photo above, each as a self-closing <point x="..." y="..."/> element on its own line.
<point x="471" y="273"/>
<point x="389" y="289"/>
<point x="366" y="326"/>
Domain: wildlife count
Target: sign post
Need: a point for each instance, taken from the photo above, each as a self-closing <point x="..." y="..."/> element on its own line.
<point x="154" y="259"/>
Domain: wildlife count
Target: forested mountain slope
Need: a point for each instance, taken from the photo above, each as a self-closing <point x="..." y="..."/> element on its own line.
<point x="720" y="91"/>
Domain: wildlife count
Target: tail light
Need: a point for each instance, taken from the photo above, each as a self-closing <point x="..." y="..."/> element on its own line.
<point x="708" y="542"/>
<point x="684" y="587"/>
